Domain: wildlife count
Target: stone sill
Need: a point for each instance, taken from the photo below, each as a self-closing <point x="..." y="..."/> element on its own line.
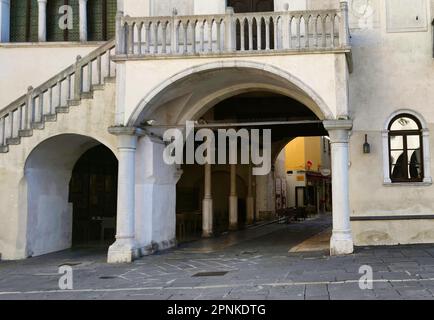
<point x="70" y="44"/>
<point x="237" y="54"/>
<point x="408" y="184"/>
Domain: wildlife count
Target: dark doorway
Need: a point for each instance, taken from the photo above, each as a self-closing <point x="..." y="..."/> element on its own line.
<point x="245" y="6"/>
<point x="242" y="6"/>
<point x="93" y="194"/>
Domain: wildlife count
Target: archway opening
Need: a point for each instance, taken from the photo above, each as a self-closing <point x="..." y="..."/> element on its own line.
<point x="259" y="199"/>
<point x="54" y="172"/>
<point x="93" y="194"/>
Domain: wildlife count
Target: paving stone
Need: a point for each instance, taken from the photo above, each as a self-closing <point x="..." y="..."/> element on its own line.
<point x="268" y="273"/>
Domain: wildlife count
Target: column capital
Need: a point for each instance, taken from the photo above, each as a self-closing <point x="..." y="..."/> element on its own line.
<point x="126" y="131"/>
<point x="338" y="124"/>
<point x="338" y="130"/>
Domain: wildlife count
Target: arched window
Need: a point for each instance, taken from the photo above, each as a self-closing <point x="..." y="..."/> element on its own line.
<point x="54" y="31"/>
<point x="24" y="21"/>
<point x="101" y="17"/>
<point x="406" y="149"/>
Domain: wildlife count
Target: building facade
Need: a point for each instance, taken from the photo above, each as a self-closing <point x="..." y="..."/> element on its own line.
<point x="358" y="71"/>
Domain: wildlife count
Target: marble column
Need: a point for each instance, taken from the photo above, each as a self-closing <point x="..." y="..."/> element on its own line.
<point x="250" y="199"/>
<point x="83" y="19"/>
<point x="341" y="242"/>
<point x="42" y="20"/>
<point x="124" y="250"/>
<point x="4" y="20"/>
<point x="207" y="204"/>
<point x="233" y="199"/>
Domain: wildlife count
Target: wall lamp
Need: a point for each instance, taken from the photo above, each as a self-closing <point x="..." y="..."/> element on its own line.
<point x="366" y="146"/>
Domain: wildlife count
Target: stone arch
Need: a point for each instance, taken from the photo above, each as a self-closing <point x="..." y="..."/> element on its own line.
<point x="273" y="79"/>
<point x="45" y="189"/>
<point x="405" y="111"/>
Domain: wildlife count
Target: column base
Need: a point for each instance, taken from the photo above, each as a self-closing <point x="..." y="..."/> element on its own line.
<point x="341" y="243"/>
<point x="157" y="247"/>
<point x="122" y="251"/>
<point x="207" y="234"/>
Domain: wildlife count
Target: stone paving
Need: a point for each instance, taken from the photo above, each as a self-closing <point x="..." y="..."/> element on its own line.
<point x="258" y="267"/>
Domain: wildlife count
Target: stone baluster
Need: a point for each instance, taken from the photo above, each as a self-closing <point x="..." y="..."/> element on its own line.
<point x="28" y="116"/>
<point x="120" y="33"/>
<point x="250" y="25"/>
<point x="344" y="25"/>
<point x="230" y="30"/>
<point x="267" y="33"/>
<point x="78" y="79"/>
<point x="259" y="33"/>
<point x="324" y="31"/>
<point x="139" y="38"/>
<point x="164" y="39"/>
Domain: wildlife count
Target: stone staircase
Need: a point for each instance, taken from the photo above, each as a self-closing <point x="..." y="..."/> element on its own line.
<point x="57" y="95"/>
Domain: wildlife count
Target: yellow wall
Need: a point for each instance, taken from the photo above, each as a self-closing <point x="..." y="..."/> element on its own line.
<point x="301" y="150"/>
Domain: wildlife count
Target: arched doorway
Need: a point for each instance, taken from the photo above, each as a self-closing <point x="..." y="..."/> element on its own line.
<point x="93" y="194"/>
<point x="173" y="102"/>
<point x="270" y="111"/>
<point x="48" y="172"/>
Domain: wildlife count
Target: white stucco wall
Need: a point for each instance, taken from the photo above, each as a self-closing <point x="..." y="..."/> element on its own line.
<point x="24" y="65"/>
<point x="392" y="71"/>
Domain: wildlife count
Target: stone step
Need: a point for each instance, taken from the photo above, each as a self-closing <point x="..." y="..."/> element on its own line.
<point x="4" y="149"/>
<point x="98" y="87"/>
<point x="50" y="118"/>
<point x="38" y="125"/>
<point x="62" y="109"/>
<point x="110" y="80"/>
<point x="13" y="141"/>
<point x="73" y="103"/>
<point x="87" y="95"/>
<point x="25" y="133"/>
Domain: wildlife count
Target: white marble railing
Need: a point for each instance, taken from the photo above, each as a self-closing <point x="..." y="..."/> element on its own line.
<point x="31" y="110"/>
<point x="229" y="33"/>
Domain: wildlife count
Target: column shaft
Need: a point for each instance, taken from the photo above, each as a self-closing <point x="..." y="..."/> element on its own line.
<point x="83" y="20"/>
<point x="124" y="249"/>
<point x="341" y="242"/>
<point x="4" y="20"/>
<point x="207" y="204"/>
<point x="233" y="199"/>
<point x="250" y="199"/>
<point x="42" y="20"/>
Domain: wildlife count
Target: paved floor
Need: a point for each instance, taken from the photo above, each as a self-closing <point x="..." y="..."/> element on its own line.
<point x="259" y="265"/>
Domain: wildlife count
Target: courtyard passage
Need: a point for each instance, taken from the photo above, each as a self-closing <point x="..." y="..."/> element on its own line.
<point x="275" y="261"/>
